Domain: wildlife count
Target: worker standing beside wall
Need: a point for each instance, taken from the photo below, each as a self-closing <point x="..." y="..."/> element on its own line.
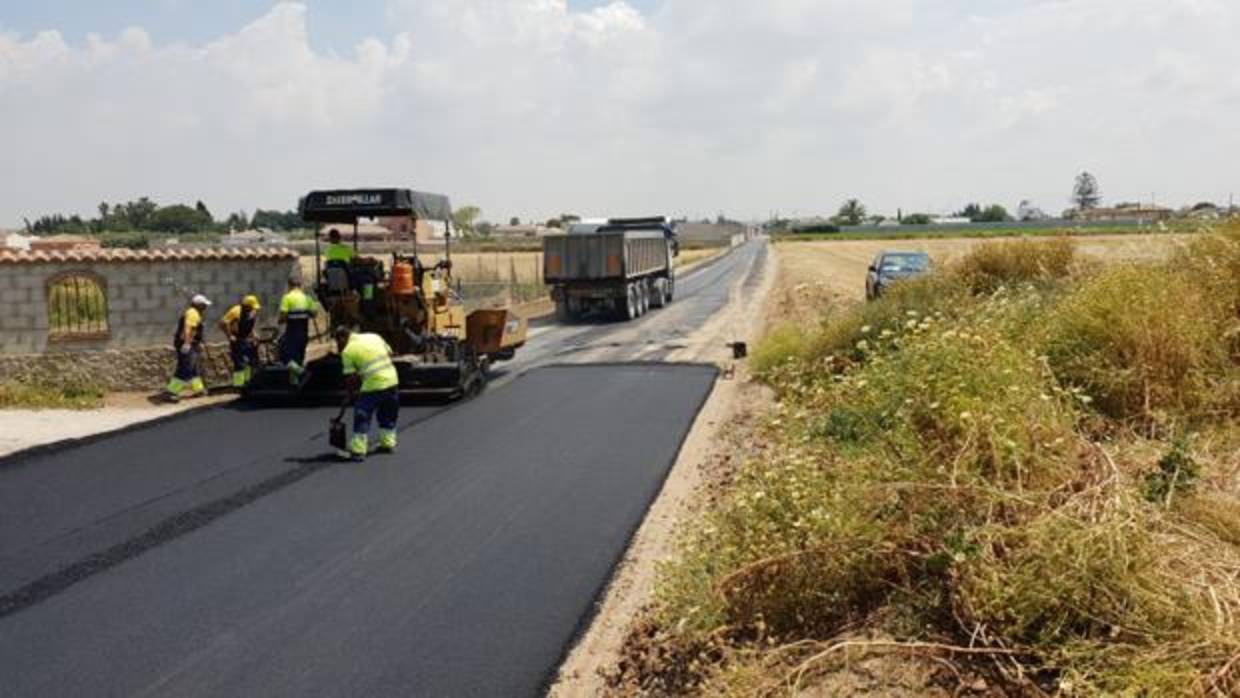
<point x="373" y="387"/>
<point x="238" y="325"/>
<point x="187" y="381"/>
<point x="296" y="311"/>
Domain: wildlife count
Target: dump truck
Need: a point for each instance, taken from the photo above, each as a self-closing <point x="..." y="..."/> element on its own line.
<point x="622" y="267"/>
<point x="439" y="349"/>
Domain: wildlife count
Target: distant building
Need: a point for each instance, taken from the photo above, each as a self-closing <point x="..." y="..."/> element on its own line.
<point x="423" y="230"/>
<point x="15" y="241"/>
<point x="1203" y="213"/>
<point x="259" y="236"/>
<point x="950" y="220"/>
<point x="64" y="243"/>
<point x="521" y="231"/>
<point x="1141" y="213"/>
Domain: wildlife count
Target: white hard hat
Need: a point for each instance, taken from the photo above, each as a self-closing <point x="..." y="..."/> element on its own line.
<point x="200" y="299"/>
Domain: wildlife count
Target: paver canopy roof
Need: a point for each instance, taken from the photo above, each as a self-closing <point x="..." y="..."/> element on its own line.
<point x="347" y="205"/>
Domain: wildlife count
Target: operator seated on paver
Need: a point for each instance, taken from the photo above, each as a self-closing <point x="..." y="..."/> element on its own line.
<point x="337" y="252"/>
<point x="187" y="381"/>
<point x="297" y="309"/>
<point x="339" y="256"/>
<point x="238" y="324"/>
<point x="372" y="384"/>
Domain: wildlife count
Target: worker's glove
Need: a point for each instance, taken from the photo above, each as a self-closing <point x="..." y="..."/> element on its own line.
<point x="185" y="349"/>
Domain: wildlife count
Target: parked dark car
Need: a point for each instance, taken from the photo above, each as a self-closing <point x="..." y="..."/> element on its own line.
<point x="891" y="267"/>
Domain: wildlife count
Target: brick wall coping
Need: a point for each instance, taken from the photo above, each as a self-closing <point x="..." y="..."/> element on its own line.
<point x="124" y="255"/>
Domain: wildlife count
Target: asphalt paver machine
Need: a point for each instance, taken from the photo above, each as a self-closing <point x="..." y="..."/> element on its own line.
<point x="440" y="350"/>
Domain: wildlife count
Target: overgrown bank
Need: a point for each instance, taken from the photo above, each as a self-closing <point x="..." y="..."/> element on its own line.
<point x="1019" y="475"/>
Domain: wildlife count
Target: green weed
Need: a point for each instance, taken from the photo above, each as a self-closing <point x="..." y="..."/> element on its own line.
<point x="75" y="396"/>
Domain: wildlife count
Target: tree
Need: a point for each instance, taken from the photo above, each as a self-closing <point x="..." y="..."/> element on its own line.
<point x="465" y="219"/>
<point x="514" y="221"/>
<point x="179" y="219"/>
<point x="237" y="221"/>
<point x="917" y="219"/>
<point x="993" y="213"/>
<point x="1028" y="211"/>
<point x="485" y="229"/>
<point x="971" y="211"/>
<point x="277" y="220"/>
<point x="1086" y="194"/>
<point x="852" y="212"/>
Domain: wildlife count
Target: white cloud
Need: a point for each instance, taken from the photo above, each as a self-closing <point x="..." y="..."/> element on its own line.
<point x="529" y="108"/>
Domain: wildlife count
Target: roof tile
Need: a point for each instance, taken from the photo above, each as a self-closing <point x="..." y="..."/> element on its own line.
<point x="10" y="256"/>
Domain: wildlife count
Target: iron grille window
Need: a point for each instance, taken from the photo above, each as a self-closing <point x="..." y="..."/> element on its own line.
<point x="77" y="307"/>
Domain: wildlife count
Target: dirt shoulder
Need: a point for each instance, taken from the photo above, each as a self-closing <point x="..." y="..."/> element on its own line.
<point x="711" y="452"/>
<point x="24" y="429"/>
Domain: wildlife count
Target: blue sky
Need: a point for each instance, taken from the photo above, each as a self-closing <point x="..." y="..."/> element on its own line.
<point x="334" y="24"/>
<point x="690" y="107"/>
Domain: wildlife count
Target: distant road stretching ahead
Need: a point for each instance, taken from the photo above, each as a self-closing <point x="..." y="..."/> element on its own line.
<point x="462" y="566"/>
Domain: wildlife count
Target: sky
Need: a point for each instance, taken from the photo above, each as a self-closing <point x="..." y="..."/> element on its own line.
<point x="533" y="108"/>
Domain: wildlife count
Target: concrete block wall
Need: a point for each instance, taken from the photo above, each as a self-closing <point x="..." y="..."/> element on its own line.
<point x="143" y="297"/>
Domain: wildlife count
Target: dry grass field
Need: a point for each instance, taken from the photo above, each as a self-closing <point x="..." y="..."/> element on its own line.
<point x="812" y="274"/>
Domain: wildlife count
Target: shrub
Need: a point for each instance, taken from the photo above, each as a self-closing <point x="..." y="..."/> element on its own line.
<point x="992" y="265"/>
<point x="1177" y="473"/>
<point x="1142" y="342"/>
<point x="853" y="335"/>
<point x="32" y="395"/>
<point x="934" y="481"/>
<point x="1105" y="596"/>
<point x="816" y="228"/>
<point x="783" y="344"/>
<point x="130" y="241"/>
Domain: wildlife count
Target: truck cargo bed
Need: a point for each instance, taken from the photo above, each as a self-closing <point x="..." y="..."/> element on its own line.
<point x="604" y="256"/>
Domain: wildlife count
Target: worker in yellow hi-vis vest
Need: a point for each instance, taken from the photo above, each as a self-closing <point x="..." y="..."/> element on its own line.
<point x="238" y="325"/>
<point x="373" y="386"/>
<point x="337" y="252"/>
<point x="296" y="311"/>
<point x="187" y="381"/>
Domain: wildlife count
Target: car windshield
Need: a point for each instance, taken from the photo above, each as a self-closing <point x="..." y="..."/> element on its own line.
<point x="905" y="262"/>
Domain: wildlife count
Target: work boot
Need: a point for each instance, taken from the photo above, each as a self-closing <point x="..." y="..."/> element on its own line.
<point x="358" y="446"/>
<point x="387" y="441"/>
<point x="197" y="388"/>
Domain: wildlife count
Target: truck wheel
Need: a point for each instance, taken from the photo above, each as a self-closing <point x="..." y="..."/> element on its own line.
<point x="631" y="309"/>
<point x="658" y="293"/>
<point x="671" y="292"/>
<point x="644" y="293"/>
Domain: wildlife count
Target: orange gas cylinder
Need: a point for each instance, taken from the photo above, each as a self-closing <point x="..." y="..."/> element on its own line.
<point x="402" y="279"/>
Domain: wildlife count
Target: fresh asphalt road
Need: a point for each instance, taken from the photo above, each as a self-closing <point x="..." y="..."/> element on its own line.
<point x="464" y="565"/>
<point x="221" y="553"/>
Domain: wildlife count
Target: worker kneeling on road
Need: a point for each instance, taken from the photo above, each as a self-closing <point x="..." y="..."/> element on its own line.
<point x="186" y="381"/>
<point x="238" y="325"/>
<point x="372" y="382"/>
<point x="296" y="311"/>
